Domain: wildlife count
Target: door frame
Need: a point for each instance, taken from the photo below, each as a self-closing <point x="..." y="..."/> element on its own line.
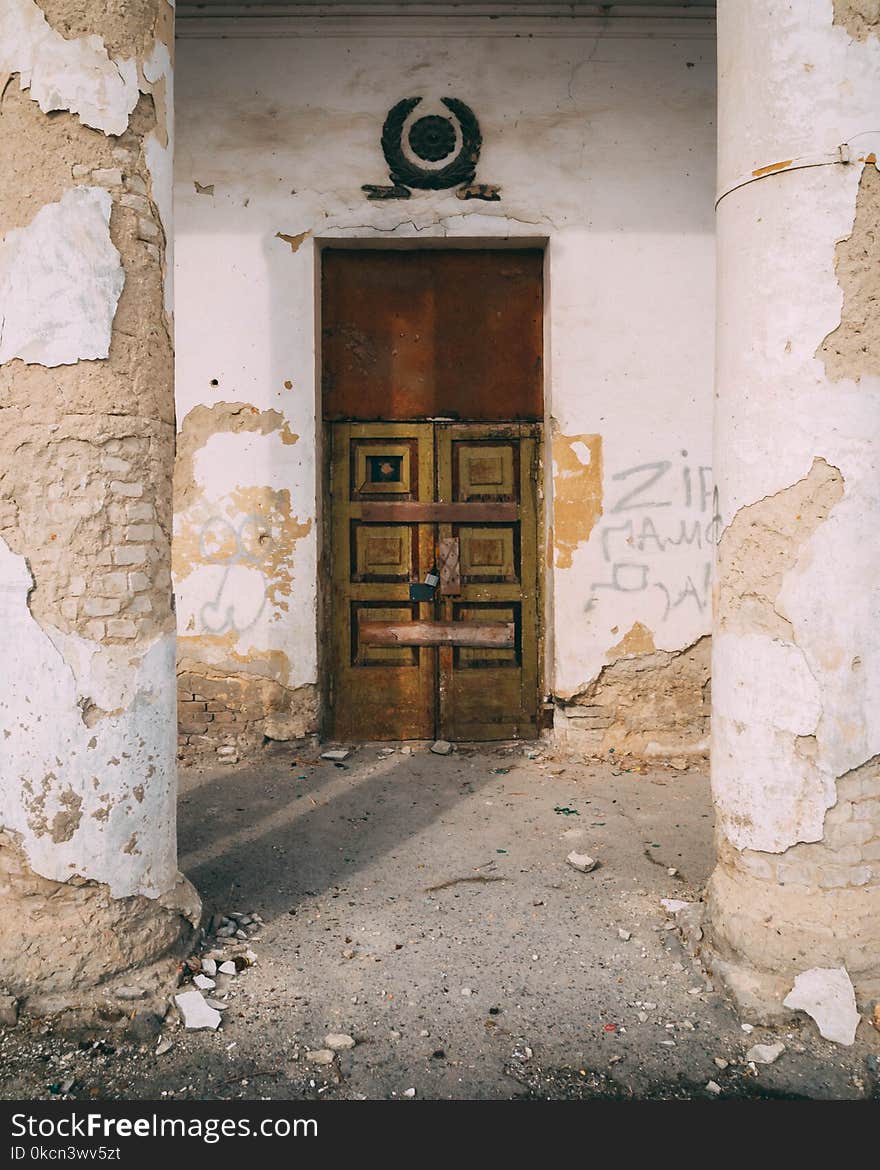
<point x="386" y="242"/>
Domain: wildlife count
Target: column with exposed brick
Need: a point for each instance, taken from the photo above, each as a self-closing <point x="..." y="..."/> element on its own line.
<point x="88" y="868"/>
<point x="796" y="654"/>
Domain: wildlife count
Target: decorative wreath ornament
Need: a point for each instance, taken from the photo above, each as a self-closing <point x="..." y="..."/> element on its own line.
<point x="426" y="139"/>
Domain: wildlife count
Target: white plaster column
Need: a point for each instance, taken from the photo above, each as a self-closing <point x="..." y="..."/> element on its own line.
<point x="88" y="866"/>
<point x="796" y="654"/>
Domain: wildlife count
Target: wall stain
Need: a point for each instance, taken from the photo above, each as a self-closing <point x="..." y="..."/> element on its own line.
<point x="577" y="492"/>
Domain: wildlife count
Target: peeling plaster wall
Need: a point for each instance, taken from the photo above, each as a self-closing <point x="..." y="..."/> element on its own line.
<point x="87" y="719"/>
<point x="796" y="659"/>
<point x="601" y="137"/>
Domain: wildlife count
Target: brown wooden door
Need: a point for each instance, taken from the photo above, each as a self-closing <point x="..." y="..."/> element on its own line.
<point x="406" y="498"/>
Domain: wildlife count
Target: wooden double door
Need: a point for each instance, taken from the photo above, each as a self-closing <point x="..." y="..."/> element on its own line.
<point x="411" y="501"/>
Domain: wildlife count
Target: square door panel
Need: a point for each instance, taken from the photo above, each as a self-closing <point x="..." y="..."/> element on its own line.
<point x="485" y="471"/>
<point x="363" y="654"/>
<point x="382" y="552"/>
<point x="381" y="468"/>
<point x="483" y="657"/>
<point x="489" y="553"/>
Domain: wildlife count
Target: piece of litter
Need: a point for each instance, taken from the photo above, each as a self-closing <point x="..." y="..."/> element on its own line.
<point x="826" y="994"/>
<point x="582" y="862"/>
<point x="565" y="811"/>
<point x="337" y="755"/>
<point x="765" y="1053"/>
<point x="673" y="905"/>
<point x="195" y="1012"/>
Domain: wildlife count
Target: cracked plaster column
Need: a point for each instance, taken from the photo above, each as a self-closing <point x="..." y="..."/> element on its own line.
<point x="94" y="910"/>
<point x="796" y="654"/>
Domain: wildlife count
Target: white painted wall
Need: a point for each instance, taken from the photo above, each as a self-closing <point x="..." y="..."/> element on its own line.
<point x="601" y="135"/>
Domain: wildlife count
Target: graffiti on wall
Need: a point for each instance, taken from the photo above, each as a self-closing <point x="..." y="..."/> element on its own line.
<point x="241" y="592"/>
<point x="659" y="533"/>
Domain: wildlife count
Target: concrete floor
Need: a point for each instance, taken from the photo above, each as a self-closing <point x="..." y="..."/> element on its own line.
<point x="423" y="905"/>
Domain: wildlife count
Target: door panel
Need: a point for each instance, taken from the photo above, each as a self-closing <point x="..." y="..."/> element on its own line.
<point x="406" y="498"/>
<point x="380" y="692"/>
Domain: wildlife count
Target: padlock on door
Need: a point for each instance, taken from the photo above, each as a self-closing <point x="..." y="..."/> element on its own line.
<point x="425" y="590"/>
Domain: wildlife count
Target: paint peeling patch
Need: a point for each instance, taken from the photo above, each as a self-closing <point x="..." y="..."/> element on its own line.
<point x="203" y="188"/>
<point x="69" y="825"/>
<point x="637" y="640"/>
<point x="763" y="543"/>
<point x="577" y="492"/>
<point x="650" y="704"/>
<point x="860" y="18"/>
<point x="852" y="350"/>
<point x="294" y="241"/>
<point x="76" y="75"/>
<point x="771" y="168"/>
<point x="768" y="796"/>
<point x="60" y="282"/>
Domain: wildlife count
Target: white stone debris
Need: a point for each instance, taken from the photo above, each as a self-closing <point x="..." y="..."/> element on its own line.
<point x="339" y="1041"/>
<point x="623" y="935"/>
<point x="826" y="994"/>
<point x="673" y="905"/>
<point x="336" y="755"/>
<point x="163" y="1046"/>
<point x="203" y="983"/>
<point x="582" y="862"/>
<point x="195" y="1011"/>
<point x="765" y="1053"/>
<point x="409" y="1093"/>
<point x="227" y="968"/>
<point x="209" y="967"/>
<point x="442" y="748"/>
<point x="216" y="1004"/>
<point x="713" y="1087"/>
<point x="720" y="1062"/>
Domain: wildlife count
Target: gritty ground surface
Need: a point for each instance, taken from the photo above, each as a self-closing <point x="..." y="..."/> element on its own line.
<point x="423" y="905"/>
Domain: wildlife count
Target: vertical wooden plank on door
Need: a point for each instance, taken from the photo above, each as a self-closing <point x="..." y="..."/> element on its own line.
<point x="380" y="692"/>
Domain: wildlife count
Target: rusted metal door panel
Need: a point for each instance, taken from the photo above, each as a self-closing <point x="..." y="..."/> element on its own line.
<point x="407" y="498"/>
<point x="432" y="334"/>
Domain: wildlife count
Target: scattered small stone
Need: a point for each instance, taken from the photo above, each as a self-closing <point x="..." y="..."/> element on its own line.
<point x="406" y="750"/>
<point x="227" y="968"/>
<point x="409" y="1093"/>
<point x="321" y="1056"/>
<point x="466" y="991"/>
<point x="164" y="1045"/>
<point x="129" y="992"/>
<point x="765" y="1053"/>
<point x="203" y="983"/>
<point x="339" y="1041"/>
<point x="720" y="1062"/>
<point x="673" y="905"/>
<point x="623" y="935"/>
<point x="748" y="1028"/>
<point x="216" y="1004"/>
<point x="336" y="755"/>
<point x="442" y="747"/>
<point x="209" y="967"/>
<point x="668" y="1043"/>
<point x="522" y="1052"/>
<point x="195" y="1012"/>
<point x="424" y="1032"/>
<point x="826" y="994"/>
<point x="713" y="1087"/>
<point x="582" y="862"/>
<point x="643" y="1017"/>
<point x="672" y="871"/>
